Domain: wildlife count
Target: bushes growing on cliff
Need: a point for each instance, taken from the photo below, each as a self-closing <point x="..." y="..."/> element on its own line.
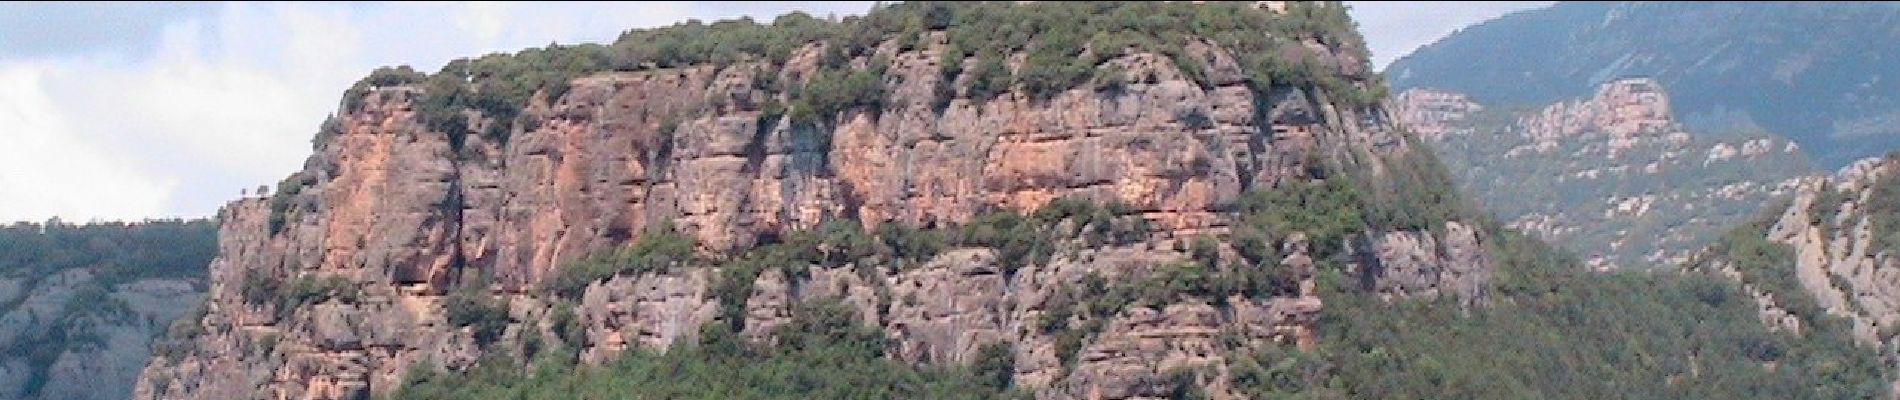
<point x="824" y="353"/>
<point x="1768" y="265"/>
<point x="1416" y="193"/>
<point x="1328" y="211"/>
<point x="657" y="251"/>
<point x="837" y="90"/>
<point x="471" y="307"/>
<point x="261" y="288"/>
<point x="1079" y="311"/>
<point x="381" y="77"/>
<point x="834" y="244"/>
<point x="909" y="243"/>
<point x="1062" y="46"/>
<point x="1882" y="209"/>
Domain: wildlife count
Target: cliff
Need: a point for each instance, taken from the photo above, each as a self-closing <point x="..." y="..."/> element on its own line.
<point x="1824" y="261"/>
<point x="393" y="214"/>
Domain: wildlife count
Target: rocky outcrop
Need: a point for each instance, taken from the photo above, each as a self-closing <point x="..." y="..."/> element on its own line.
<point x="95" y="337"/>
<point x="1432" y="114"/>
<point x="401" y="212"/>
<point x="1612" y="176"/>
<point x="1839" y="258"/>
<point x="1453" y="263"/>
<point x="1622" y="108"/>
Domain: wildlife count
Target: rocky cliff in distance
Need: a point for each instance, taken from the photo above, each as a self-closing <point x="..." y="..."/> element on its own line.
<point x="80" y="305"/>
<point x="90" y="353"/>
<point x="391" y="214"/>
<point x="1613" y="177"/>
<point x="1826" y="259"/>
<point x="1817" y="73"/>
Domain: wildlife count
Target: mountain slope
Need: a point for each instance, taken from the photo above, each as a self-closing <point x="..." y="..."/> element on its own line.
<point x="80" y="304"/>
<point x="1824" y="263"/>
<point x="1613" y="176"/>
<point x="1820" y="73"/>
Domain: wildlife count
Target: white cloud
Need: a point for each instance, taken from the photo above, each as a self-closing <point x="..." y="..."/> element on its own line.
<point x="46" y="171"/>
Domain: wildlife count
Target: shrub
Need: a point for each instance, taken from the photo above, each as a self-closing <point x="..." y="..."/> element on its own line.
<point x="470" y="307"/>
<point x="654" y="252"/>
<point x="904" y="242"/>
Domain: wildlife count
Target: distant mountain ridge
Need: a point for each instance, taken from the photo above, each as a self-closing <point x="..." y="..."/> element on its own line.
<point x="1780" y="67"/>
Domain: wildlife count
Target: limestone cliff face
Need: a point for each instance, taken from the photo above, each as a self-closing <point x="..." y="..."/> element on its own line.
<point x="1623" y="109"/>
<point x="1452" y="262"/>
<point x="1432" y="114"/>
<point x="1840" y="258"/>
<point x="399" y="211"/>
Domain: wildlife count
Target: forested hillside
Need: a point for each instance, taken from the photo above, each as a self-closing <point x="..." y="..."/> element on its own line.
<point x="80" y="304"/>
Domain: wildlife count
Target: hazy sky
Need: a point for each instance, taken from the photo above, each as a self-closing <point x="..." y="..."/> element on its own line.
<point x="129" y="111"/>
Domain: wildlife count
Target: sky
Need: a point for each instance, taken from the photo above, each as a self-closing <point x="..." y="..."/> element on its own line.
<point x="129" y="111"/>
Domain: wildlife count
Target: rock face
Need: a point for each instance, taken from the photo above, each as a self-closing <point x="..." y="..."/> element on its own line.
<point x="1622" y="109"/>
<point x="399" y="211"/>
<point x="107" y="363"/>
<point x="1433" y="113"/>
<point x="1408" y="264"/>
<point x="1841" y="257"/>
<point x="1613" y="177"/>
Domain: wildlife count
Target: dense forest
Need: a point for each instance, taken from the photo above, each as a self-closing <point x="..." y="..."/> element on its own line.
<point x="117" y="251"/>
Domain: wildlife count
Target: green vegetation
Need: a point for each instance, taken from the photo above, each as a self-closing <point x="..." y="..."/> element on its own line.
<point x="823" y="354"/>
<point x="1327" y="211"/>
<point x="283" y="202"/>
<point x="262" y="288"/>
<point x="1882" y="209"/>
<point x="1023" y="240"/>
<point x="655" y="252"/>
<point x="838" y="89"/>
<point x="1416" y="193"/>
<point x="472" y="308"/>
<point x="1557" y="331"/>
<point x="176" y="340"/>
<point x="1766" y="264"/>
<point x="1064" y="43"/>
<point x="1063" y="46"/>
<point x="118" y="252"/>
<point x="43" y="258"/>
